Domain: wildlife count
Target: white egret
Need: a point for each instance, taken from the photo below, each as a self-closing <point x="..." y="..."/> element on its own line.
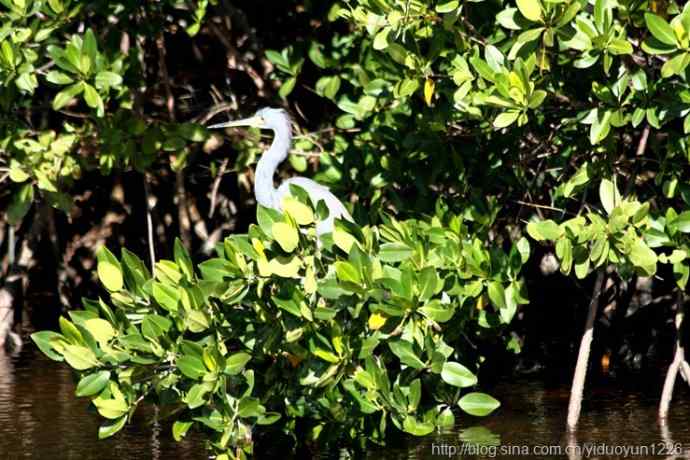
<point x="278" y="121"/>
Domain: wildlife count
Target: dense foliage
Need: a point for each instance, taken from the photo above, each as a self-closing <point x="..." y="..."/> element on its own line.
<point x="338" y="337"/>
<point x="472" y="122"/>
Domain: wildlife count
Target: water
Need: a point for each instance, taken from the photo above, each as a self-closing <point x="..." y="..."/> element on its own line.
<point x="616" y="423"/>
<point x="41" y="418"/>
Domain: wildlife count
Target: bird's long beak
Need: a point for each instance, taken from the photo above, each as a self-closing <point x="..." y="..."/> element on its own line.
<point x="256" y="122"/>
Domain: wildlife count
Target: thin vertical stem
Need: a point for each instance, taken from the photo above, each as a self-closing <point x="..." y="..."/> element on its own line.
<point x="11" y="245"/>
<point x="149" y="224"/>
<point x="678" y="359"/>
<point x="575" y="404"/>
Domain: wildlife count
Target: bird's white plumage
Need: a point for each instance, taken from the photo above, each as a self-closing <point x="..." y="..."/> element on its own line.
<point x="266" y="194"/>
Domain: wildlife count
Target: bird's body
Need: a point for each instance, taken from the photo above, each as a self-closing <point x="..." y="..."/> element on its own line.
<point x="278" y="121"/>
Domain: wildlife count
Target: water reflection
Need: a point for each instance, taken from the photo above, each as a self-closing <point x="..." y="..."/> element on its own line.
<point x="41" y="418"/>
<point x="616" y="423"/>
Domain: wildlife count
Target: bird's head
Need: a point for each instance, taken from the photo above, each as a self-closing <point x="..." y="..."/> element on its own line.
<point x="266" y="118"/>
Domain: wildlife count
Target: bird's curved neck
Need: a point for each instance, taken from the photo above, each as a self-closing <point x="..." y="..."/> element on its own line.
<point x="264" y="189"/>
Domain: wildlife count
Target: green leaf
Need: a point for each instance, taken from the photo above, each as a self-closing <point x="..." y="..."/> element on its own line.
<point x="92" y="98"/>
<point x="268" y="418"/>
<point x="92" y="383"/>
<point x="20" y="204"/>
<point x="347" y="272"/>
<point x="642" y="257"/>
<point x="395" y="252"/>
<point x="285" y="267"/>
<point x="100" y="329"/>
<point x="180" y="428"/>
<point x="600" y="10"/>
<point x="660" y="29"/>
<point x="90" y="46"/>
<point x="328" y="86"/>
<point x="286" y="235"/>
<point x="506" y="119"/>
<point x="316" y="55"/>
<point x="478" y="404"/>
<point x="80" y="358"/>
<point x="58" y="78"/>
<point x="195" y="396"/>
<point x="544" y="230"/>
<point x="109" y="270"/>
<point x="428" y="283"/>
<point x="17" y="173"/>
<point x="404" y="351"/>
<point x="277" y="58"/>
<point x="289" y="305"/>
<point x="106" y="431"/>
<point x="111" y="408"/>
<point x="415" y="394"/>
<point x="509" y="19"/>
<point x="609" y="195"/>
<point x="287" y="87"/>
<point x="530" y="9"/>
<point x="154" y="326"/>
<point x="7" y="54"/>
<point x="682" y="222"/>
<point x="676" y="65"/>
<point x="70" y="331"/>
<point x="497" y="294"/>
<point x="600" y="128"/>
<point x="343" y="239"/>
<point x="183" y="260"/>
<point x="381" y="39"/>
<point x="437" y="311"/>
<point x="166" y="296"/>
<point x="197" y="321"/>
<point x="235" y="363"/>
<point x="447" y="6"/>
<point x="654" y="47"/>
<point x="43" y="340"/>
<point x="619" y="46"/>
<point x="537" y="98"/>
<point x="302" y="213"/>
<point x="413" y="426"/>
<point x="56" y="6"/>
<point x="446" y="419"/>
<point x="107" y="79"/>
<point x="65" y="96"/>
<point x="457" y="375"/>
<point x="523" y="248"/>
<point x="265" y="217"/>
<point x="191" y="366"/>
<point x="26" y="82"/>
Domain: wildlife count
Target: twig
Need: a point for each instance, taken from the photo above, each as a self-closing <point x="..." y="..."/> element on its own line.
<point x="235" y="61"/>
<point x="575" y="403"/>
<point x="216" y="186"/>
<point x="641" y="147"/>
<point x="213" y="111"/>
<point x="540" y="206"/>
<point x="302" y="153"/>
<point x="180" y="191"/>
<point x="163" y="69"/>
